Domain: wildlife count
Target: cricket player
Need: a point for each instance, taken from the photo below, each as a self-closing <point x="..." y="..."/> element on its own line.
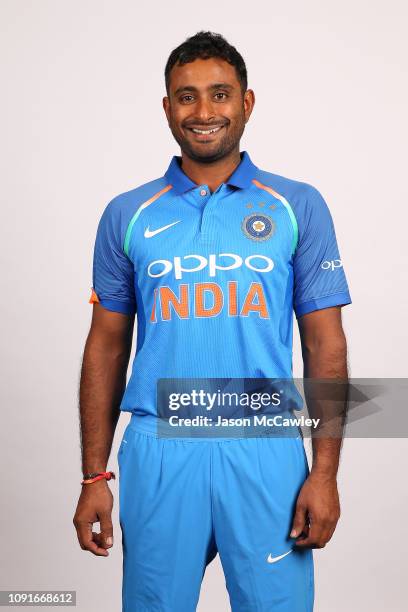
<point x="213" y="258"/>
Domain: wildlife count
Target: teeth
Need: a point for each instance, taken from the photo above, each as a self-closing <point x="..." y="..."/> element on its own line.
<point x="207" y="131"/>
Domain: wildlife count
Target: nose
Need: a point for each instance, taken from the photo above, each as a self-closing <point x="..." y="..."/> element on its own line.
<point x="204" y="109"/>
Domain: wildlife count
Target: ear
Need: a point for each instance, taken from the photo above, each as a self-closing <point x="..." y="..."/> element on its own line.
<point x="249" y="103"/>
<point x="166" y="106"/>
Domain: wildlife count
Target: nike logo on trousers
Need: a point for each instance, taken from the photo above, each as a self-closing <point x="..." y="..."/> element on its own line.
<point x="271" y="559"/>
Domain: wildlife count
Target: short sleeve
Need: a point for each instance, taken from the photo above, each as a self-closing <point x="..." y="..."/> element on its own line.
<point x="319" y="277"/>
<point x="113" y="272"/>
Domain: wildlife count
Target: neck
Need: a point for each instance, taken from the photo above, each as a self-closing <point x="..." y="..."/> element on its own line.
<point x="212" y="174"/>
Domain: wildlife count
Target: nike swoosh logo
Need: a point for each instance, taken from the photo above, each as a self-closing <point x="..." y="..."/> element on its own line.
<point x="149" y="233"/>
<point x="271" y="559"/>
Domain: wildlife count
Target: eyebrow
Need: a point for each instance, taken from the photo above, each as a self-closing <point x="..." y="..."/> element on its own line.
<point x="214" y="86"/>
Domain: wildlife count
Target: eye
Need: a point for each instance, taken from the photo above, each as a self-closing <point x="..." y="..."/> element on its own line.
<point x="221" y="93"/>
<point x="184" y="98"/>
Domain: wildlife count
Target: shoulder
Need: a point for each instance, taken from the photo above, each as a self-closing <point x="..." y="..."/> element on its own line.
<point x="304" y="199"/>
<point x="128" y="202"/>
<point x="291" y="189"/>
<point x="121" y="209"/>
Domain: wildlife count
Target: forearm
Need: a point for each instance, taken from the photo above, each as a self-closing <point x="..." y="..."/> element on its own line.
<point x="102" y="384"/>
<point x="326" y="401"/>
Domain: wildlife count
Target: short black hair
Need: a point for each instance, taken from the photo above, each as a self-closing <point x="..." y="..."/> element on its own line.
<point x="204" y="45"/>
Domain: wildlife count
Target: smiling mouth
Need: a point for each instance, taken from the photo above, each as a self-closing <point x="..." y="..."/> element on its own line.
<point x="206" y="132"/>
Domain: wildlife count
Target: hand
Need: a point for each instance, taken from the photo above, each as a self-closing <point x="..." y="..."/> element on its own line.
<point x="317" y="512"/>
<point x="95" y="505"/>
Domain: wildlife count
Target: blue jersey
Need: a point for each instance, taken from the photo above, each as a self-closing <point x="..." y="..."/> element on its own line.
<point x="215" y="277"/>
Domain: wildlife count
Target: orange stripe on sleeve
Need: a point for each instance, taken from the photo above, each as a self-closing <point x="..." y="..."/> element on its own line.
<point x="267" y="188"/>
<point x="94" y="298"/>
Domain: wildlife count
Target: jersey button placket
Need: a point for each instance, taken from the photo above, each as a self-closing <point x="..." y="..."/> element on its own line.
<point x="204" y="195"/>
<point x="211" y="202"/>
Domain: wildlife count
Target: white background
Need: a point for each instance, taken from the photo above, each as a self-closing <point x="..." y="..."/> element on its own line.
<point x="82" y="84"/>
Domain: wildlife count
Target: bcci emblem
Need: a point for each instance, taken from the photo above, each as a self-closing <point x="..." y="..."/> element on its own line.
<point x="258" y="226"/>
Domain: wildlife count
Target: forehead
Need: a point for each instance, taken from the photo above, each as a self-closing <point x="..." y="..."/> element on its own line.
<point x="202" y="73"/>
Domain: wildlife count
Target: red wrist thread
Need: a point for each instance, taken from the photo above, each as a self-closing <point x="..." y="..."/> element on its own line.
<point x="101" y="476"/>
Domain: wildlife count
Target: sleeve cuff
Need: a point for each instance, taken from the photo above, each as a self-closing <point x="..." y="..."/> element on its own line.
<point x="337" y="299"/>
<point x="117" y="306"/>
<point x="128" y="308"/>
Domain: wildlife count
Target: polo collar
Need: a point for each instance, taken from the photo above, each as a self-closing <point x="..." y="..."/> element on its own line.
<point x="241" y="177"/>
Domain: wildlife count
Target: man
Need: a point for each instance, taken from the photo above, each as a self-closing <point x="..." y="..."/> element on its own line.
<point x="213" y="256"/>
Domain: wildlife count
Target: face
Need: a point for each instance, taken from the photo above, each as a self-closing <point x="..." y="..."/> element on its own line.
<point x="206" y="108"/>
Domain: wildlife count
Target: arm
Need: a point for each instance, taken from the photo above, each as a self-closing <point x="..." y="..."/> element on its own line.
<point x="103" y="380"/>
<point x="324" y="351"/>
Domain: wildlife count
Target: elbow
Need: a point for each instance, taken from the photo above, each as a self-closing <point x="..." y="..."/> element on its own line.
<point x="333" y="348"/>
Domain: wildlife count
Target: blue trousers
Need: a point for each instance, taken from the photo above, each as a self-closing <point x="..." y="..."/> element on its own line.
<point x="182" y="501"/>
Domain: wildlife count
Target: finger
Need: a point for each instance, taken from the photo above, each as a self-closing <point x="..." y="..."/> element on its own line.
<point x="86" y="540"/>
<point x="305" y="532"/>
<point x="299" y="521"/>
<point x="106" y="535"/>
<point x="328" y="527"/>
<point x="97" y="546"/>
<point x="328" y="533"/>
<point x="314" y="538"/>
<point x="101" y="541"/>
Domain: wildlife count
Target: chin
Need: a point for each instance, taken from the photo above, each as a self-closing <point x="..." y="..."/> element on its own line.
<point x="206" y="155"/>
